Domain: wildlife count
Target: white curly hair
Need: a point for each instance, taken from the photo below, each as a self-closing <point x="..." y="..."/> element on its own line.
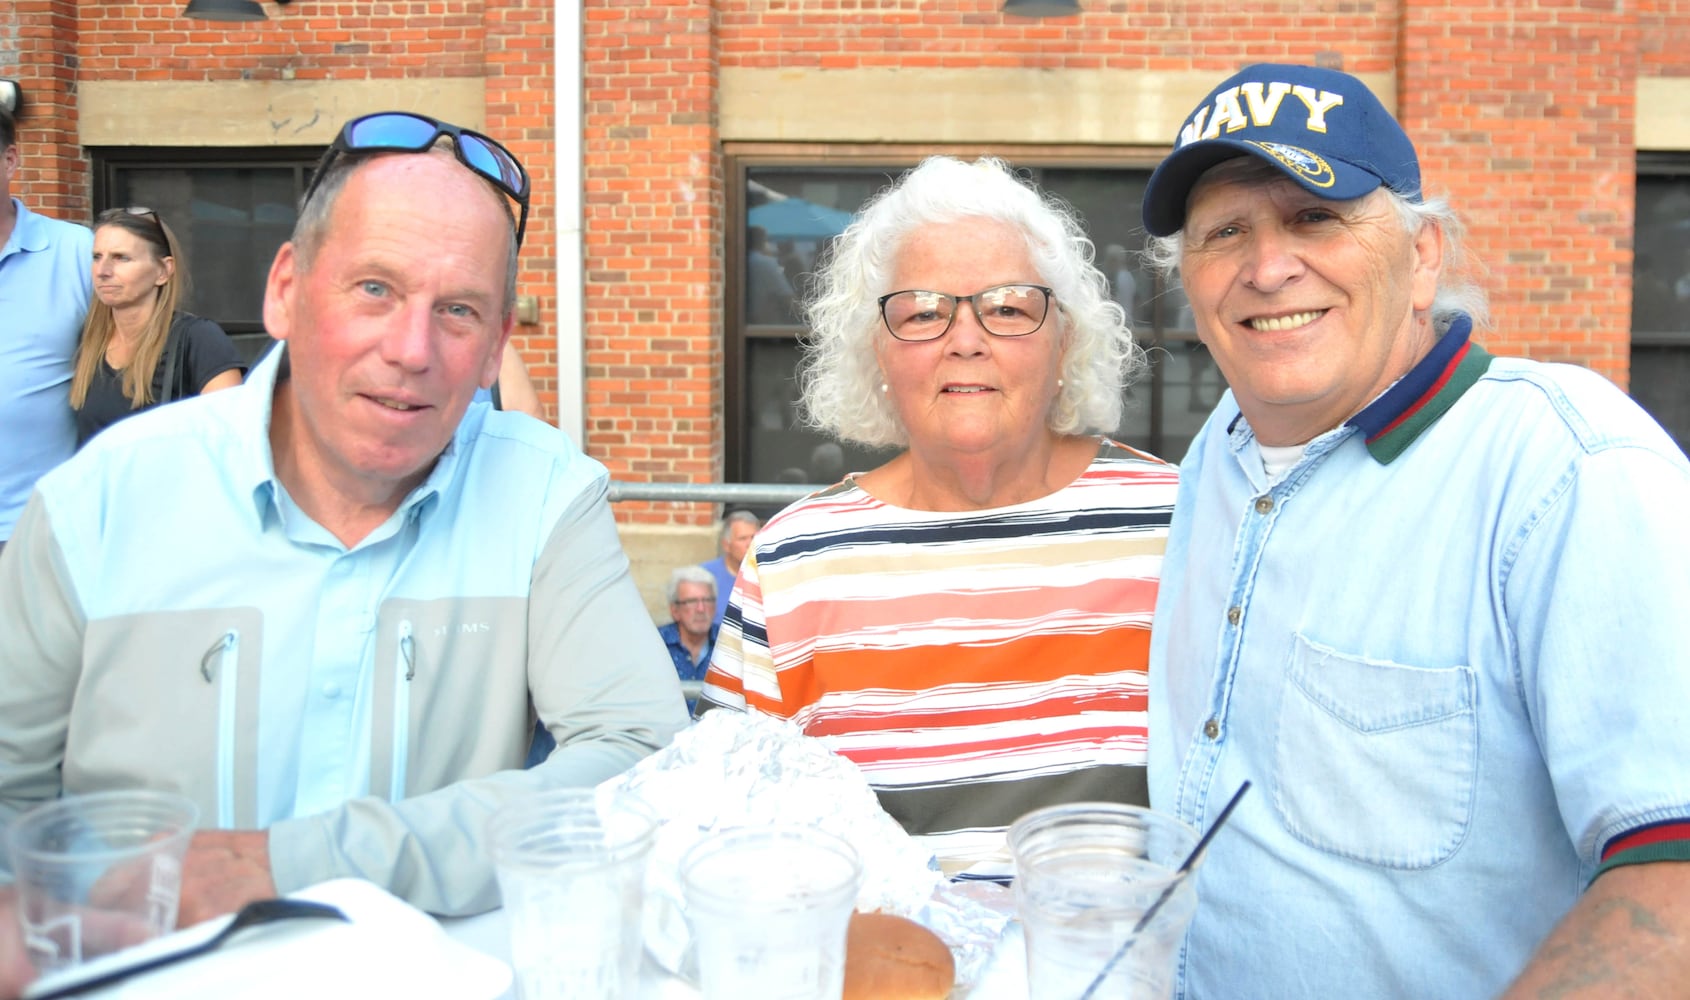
<point x="840" y="375"/>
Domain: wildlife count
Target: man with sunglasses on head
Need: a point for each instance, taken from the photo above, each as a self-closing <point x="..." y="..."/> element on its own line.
<point x="334" y="633"/>
<point x="45" y="290"/>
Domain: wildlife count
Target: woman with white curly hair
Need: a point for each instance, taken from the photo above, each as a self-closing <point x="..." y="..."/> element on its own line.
<point x="970" y="621"/>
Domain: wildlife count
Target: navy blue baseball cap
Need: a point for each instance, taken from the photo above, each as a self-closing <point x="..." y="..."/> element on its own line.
<point x="1322" y="127"/>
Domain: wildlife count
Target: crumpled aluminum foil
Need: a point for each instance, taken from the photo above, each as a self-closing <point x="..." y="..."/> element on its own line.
<point x="749" y="769"/>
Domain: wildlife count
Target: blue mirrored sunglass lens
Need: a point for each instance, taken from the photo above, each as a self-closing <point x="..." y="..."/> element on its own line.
<point x="402" y="131"/>
<point x="491" y="161"/>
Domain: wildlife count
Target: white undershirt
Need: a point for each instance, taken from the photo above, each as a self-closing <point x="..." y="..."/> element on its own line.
<point x="1277" y="459"/>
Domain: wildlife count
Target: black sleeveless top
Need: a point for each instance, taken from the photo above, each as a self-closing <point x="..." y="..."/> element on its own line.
<point x="203" y="352"/>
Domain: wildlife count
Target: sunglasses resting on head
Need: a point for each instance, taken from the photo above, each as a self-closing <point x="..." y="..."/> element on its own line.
<point x="140" y="212"/>
<point x="407" y="132"/>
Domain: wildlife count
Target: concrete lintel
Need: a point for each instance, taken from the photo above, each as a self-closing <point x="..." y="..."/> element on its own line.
<point x="1661" y="121"/>
<point x="261" y="112"/>
<point x="973" y="106"/>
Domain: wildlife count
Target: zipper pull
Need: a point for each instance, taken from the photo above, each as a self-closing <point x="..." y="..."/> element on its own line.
<point x="408" y="649"/>
<point x="217" y="649"/>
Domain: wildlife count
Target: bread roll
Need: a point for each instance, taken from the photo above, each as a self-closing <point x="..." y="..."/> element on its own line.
<point x="891" y="958"/>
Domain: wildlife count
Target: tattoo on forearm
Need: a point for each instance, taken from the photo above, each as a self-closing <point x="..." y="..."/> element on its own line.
<point x="1593" y="957"/>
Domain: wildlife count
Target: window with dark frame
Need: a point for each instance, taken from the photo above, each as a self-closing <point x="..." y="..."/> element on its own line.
<point x="230" y="209"/>
<point x="1660" y="293"/>
<point x="785" y="213"/>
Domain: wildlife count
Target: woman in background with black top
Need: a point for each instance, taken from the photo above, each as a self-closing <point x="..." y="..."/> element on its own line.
<point x="137" y="349"/>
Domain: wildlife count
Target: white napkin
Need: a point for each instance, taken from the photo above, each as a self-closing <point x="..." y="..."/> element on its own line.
<point x="388" y="949"/>
<point x="748" y="769"/>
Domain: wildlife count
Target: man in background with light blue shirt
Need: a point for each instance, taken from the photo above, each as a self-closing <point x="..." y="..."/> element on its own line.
<point x="1427" y="600"/>
<point x="734" y="540"/>
<point x="45" y="286"/>
<point x="325" y="603"/>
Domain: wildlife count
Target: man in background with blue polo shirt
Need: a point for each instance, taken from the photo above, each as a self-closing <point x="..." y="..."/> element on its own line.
<point x="734" y="540"/>
<point x="45" y="288"/>
<point x="1427" y="600"/>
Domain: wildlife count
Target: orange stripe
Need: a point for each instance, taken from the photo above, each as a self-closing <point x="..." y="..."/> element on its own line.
<point x="1031" y="659"/>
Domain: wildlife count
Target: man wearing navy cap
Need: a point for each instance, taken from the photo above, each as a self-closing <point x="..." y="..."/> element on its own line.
<point x="1419" y="595"/>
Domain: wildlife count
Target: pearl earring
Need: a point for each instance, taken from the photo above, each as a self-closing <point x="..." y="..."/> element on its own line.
<point x="1060" y="383"/>
<point x="885" y="388"/>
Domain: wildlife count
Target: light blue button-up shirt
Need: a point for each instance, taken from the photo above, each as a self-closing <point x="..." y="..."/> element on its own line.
<point x="318" y="744"/>
<point x="1450" y="659"/>
<point x="46" y="284"/>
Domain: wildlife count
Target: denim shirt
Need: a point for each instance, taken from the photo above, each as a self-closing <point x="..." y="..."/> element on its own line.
<point x="1445" y="648"/>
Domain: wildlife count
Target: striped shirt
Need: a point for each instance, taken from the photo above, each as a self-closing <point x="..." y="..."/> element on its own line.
<point x="975" y="665"/>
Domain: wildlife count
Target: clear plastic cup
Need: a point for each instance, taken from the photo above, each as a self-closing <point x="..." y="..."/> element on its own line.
<point x="1085" y="875"/>
<point x="768" y="908"/>
<point x="97" y="873"/>
<point x="571" y="869"/>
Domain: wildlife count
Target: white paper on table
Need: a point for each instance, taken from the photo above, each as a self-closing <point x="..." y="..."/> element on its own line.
<point x="748" y="769"/>
<point x="389" y="948"/>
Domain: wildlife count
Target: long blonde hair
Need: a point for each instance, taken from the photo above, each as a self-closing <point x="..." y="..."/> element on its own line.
<point x="100" y="326"/>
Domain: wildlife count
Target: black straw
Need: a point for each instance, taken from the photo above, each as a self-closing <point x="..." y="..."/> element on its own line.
<point x="1179" y="876"/>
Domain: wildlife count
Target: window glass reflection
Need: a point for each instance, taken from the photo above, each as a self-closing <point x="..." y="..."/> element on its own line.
<point x="1660" y="300"/>
<point x="780" y="448"/>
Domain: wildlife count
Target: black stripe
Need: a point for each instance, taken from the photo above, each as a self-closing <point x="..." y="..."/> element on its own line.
<point x="987" y="528"/>
<point x="987" y="804"/>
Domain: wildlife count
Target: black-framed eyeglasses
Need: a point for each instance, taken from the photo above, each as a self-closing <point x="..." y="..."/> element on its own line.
<point x="406" y="132"/>
<point x="917" y="314"/>
<point x="694" y="602"/>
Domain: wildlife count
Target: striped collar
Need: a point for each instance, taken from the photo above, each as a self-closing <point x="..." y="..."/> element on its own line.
<point x="1401" y="413"/>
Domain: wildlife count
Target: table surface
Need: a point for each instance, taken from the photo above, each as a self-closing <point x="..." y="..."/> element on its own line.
<point x="1004" y="978"/>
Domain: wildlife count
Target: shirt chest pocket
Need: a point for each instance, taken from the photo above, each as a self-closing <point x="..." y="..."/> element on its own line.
<point x="1375" y="761"/>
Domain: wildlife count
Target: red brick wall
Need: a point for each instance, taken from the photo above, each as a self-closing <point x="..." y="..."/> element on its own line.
<point x="1663" y="37"/>
<point x="1524" y="114"/>
<point x="653" y="221"/>
<point x="52" y="177"/>
<point x="517" y="45"/>
<point x="307" y="40"/>
<point x="1107" y="34"/>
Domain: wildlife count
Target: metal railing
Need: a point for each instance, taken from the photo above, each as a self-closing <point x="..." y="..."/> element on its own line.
<point x="758" y="494"/>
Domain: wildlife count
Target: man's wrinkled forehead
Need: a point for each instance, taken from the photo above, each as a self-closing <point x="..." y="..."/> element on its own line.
<point x="1260" y="103"/>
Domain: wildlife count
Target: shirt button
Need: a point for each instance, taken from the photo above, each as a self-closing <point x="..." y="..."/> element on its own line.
<point x="1211" y="729"/>
<point x="1264" y="505"/>
<point x="1234" y="615"/>
<point x="331" y="690"/>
